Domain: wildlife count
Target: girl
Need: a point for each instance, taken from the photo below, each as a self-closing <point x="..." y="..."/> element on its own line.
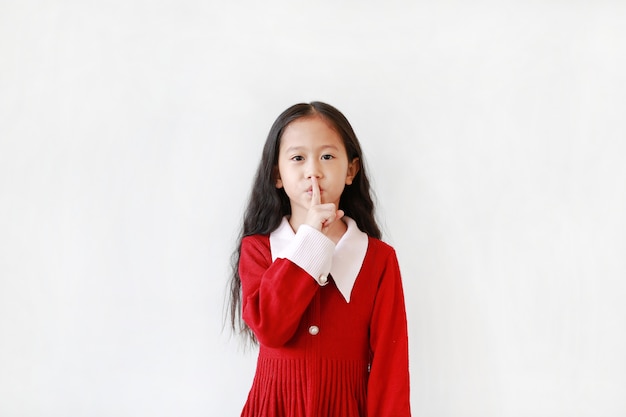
<point x="312" y="283"/>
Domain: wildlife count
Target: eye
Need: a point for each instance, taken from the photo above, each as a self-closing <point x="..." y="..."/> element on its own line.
<point x="297" y="158"/>
<point x="327" y="157"/>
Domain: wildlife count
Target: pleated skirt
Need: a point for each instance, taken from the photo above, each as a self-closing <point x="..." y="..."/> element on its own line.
<point x="297" y="387"/>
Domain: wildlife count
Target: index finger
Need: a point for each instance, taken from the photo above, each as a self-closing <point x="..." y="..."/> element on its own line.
<point x="315" y="192"/>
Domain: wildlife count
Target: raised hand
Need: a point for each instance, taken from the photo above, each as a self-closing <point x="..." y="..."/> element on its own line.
<point x="321" y="216"/>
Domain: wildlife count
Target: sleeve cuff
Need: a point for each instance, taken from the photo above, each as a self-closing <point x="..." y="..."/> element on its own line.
<point x="312" y="251"/>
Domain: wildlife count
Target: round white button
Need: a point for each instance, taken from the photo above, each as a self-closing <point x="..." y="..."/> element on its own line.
<point x="323" y="279"/>
<point x="314" y="330"/>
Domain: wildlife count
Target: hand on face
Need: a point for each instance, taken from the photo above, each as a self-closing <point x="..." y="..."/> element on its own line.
<point x="321" y="216"/>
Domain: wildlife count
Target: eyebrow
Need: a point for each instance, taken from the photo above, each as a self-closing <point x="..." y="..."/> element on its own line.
<point x="300" y="148"/>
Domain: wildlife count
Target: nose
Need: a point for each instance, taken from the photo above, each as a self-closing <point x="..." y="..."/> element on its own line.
<point x="313" y="169"/>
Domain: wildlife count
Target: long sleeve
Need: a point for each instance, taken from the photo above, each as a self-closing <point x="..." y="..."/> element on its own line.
<point x="276" y="294"/>
<point x="388" y="386"/>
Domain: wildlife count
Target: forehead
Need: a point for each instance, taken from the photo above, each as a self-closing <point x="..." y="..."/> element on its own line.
<point x="311" y="131"/>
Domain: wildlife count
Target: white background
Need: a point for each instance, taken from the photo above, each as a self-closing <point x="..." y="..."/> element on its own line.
<point x="129" y="134"/>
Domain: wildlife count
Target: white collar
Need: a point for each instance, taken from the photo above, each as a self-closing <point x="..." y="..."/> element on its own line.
<point x="347" y="258"/>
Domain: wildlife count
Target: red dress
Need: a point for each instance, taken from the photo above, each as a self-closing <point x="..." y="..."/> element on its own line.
<point x="319" y="355"/>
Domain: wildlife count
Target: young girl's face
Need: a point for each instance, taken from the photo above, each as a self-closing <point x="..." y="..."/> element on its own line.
<point x="309" y="147"/>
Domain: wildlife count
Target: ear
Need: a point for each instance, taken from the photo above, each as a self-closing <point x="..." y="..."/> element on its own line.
<point x="279" y="182"/>
<point x="353" y="169"/>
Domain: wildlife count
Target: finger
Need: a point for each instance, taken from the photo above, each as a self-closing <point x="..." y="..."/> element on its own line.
<point x="315" y="188"/>
<point x="333" y="216"/>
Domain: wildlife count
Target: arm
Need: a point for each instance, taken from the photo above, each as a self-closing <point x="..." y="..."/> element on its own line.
<point x="388" y="386"/>
<point x="276" y="294"/>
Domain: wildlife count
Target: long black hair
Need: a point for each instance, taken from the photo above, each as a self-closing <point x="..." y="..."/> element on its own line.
<point x="267" y="204"/>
